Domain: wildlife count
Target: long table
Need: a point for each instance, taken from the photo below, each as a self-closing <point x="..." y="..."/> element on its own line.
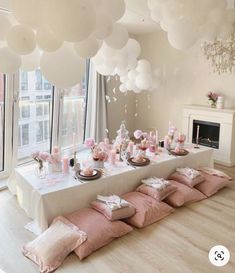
<point x="58" y="194"/>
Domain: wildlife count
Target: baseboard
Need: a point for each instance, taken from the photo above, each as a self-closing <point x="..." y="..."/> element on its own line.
<point x="226" y="164"/>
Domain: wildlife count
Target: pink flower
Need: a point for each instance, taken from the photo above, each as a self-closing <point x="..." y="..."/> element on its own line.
<point x="138" y="134"/>
<point x="90" y="143"/>
<point x="44" y="156"/>
<point x="145" y="135"/>
<point x="35" y="154"/>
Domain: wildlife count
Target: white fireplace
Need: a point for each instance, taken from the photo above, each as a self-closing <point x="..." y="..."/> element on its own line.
<point x="217" y="130"/>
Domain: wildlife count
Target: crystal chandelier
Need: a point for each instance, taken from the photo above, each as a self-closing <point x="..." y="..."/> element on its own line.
<point x="221" y="54"/>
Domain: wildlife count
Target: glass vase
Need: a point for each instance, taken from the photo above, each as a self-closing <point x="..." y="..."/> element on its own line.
<point x="41" y="172"/>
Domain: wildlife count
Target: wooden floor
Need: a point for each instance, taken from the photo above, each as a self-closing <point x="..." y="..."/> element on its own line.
<point x="177" y="244"/>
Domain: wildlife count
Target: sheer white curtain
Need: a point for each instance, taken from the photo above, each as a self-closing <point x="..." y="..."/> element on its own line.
<point x="96" y="116"/>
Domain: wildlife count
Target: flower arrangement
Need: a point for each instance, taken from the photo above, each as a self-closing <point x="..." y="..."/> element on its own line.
<point x="212" y="98"/>
<point x="90" y="143"/>
<point x="181" y="138"/>
<point x="99" y="151"/>
<point x="41" y="157"/>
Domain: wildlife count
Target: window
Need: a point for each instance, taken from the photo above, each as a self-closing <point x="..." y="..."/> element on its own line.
<point x="39" y="109"/>
<point x="35" y="116"/>
<point x="39" y="132"/>
<point x="73" y="115"/>
<point x="23" y="81"/>
<point x="38" y="82"/>
<point x="25" y="111"/>
<point x="2" y="119"/>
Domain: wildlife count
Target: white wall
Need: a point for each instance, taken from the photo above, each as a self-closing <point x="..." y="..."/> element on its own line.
<point x="186" y="79"/>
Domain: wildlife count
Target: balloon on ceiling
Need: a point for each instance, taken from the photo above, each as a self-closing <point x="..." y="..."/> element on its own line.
<point x="58" y="37"/>
<point x="187" y="21"/>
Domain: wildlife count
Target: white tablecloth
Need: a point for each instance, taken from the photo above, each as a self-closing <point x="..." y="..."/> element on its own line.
<point x="60" y="194"/>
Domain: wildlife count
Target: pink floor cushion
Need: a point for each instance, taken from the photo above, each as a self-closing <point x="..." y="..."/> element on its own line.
<point x="212" y="184"/>
<point x="157" y="194"/>
<point x="113" y="215"/>
<point x="148" y="210"/>
<point x="99" y="229"/>
<point x="181" y="178"/>
<point x="50" y="249"/>
<point x="183" y="195"/>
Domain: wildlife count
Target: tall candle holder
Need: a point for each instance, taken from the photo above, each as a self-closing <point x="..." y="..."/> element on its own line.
<point x="197" y="138"/>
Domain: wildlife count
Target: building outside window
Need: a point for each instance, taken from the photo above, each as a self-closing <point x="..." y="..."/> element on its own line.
<point x="35" y="115"/>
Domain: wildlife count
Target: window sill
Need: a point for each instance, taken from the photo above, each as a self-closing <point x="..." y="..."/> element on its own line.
<point x="3" y="184"/>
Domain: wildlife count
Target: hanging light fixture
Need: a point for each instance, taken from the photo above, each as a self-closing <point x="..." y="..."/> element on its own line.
<point x="221" y="54"/>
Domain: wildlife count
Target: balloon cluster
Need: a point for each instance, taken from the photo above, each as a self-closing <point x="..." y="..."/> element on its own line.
<point x="187" y="21"/>
<point x="140" y="78"/>
<point x="134" y="75"/>
<point x="58" y="36"/>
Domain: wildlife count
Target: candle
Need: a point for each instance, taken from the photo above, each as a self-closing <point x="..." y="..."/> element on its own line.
<point x="65" y="164"/>
<point x="55" y="150"/>
<point x="131" y="147"/>
<point x="74" y="144"/>
<point x="106" y="141"/>
<point x="197" y="138"/>
<point x="156" y="137"/>
<point x="113" y="157"/>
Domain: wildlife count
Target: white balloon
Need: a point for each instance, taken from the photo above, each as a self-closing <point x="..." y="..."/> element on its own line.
<point x="123" y="88"/>
<point x="21" y="40"/>
<point x="119" y="37"/>
<point x="133" y="48"/>
<point x="5" y="25"/>
<point x="121" y="72"/>
<point x="143" y="81"/>
<point x="183" y="34"/>
<point x="156" y="13"/>
<point x="132" y="74"/>
<point x="98" y="58"/>
<point x="47" y="40"/>
<point x="122" y="64"/>
<point x="29" y="12"/>
<point x="143" y="66"/>
<point x="123" y="79"/>
<point x="104" y="26"/>
<point x="31" y="61"/>
<point x="10" y="62"/>
<point x="71" y="21"/>
<point x="129" y="85"/>
<point x="132" y="63"/>
<point x="116" y="8"/>
<point x="107" y="51"/>
<point x="104" y="70"/>
<point x="87" y="48"/>
<point x="63" y="67"/>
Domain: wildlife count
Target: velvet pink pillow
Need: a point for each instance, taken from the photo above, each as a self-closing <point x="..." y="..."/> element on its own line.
<point x="159" y="195"/>
<point x="100" y="231"/>
<point x="212" y="184"/>
<point x="185" y="180"/>
<point x="113" y="215"/>
<point x="50" y="248"/>
<point x="183" y="195"/>
<point x="148" y="210"/>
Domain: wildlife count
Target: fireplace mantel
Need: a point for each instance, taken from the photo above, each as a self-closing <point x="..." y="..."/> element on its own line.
<point x="225" y="155"/>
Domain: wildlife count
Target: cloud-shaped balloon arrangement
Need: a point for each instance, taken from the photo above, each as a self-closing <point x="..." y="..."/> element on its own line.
<point x="187" y="21"/>
<point x="59" y="35"/>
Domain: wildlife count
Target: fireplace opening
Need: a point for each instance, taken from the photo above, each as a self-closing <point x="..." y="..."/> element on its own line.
<point x="208" y="133"/>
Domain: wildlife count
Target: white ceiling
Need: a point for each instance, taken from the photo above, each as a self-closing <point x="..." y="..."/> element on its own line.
<point x="137" y="17"/>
